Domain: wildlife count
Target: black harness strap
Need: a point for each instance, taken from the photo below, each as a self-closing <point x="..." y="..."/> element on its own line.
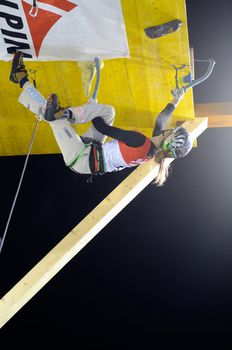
<point x="96" y="159"/>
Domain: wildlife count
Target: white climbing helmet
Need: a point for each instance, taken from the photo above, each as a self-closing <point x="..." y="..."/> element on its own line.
<point x="178" y="144"/>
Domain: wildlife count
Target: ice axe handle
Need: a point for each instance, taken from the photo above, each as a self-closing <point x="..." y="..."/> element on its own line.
<point x="98" y="75"/>
<point x="204" y="76"/>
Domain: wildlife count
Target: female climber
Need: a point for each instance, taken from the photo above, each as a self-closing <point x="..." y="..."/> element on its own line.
<point x="89" y="153"/>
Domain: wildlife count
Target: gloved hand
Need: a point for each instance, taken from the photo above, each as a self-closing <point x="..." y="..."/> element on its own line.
<point x="178" y="94"/>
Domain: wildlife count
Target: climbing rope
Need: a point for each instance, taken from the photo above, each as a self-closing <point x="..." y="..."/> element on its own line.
<point x="19" y="185"/>
<point x="2" y="239"/>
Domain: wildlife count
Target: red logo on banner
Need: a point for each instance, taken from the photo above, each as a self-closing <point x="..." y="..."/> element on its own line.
<point x="45" y="20"/>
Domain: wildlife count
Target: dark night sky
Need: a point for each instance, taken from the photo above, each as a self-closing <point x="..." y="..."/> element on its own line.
<point x="160" y="272"/>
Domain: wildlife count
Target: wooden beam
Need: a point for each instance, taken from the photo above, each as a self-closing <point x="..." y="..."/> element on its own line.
<point x="86" y="230"/>
<point x="219" y="114"/>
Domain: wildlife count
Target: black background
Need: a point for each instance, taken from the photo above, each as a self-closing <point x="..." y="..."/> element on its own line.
<point x="159" y="275"/>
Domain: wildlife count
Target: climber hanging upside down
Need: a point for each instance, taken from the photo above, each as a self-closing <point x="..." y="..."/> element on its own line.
<point x="89" y="154"/>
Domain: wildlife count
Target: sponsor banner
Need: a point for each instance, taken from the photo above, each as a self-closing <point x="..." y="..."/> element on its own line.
<point x="75" y="30"/>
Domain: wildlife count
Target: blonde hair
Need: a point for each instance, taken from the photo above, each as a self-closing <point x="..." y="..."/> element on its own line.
<point x="164" y="167"/>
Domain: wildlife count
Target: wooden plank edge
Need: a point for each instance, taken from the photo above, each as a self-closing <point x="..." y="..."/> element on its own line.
<point x="84" y="232"/>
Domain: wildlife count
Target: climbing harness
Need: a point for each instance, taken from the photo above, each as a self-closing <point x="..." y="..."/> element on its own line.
<point x="96" y="159"/>
<point x="2" y="239"/>
<point x="34" y="9"/>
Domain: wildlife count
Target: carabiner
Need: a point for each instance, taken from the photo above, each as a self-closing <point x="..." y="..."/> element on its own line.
<point x="34" y="9"/>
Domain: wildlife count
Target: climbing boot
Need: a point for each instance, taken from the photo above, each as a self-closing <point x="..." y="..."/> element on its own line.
<point x="18" y="70"/>
<point x="53" y="110"/>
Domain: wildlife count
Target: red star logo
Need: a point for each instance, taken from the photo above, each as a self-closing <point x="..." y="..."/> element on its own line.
<point x="41" y="24"/>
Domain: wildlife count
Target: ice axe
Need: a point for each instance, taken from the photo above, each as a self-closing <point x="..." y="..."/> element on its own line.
<point x="204" y="76"/>
<point x="195" y="82"/>
<point x="98" y="76"/>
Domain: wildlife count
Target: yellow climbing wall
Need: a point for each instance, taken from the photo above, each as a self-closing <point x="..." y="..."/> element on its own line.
<point x="138" y="87"/>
